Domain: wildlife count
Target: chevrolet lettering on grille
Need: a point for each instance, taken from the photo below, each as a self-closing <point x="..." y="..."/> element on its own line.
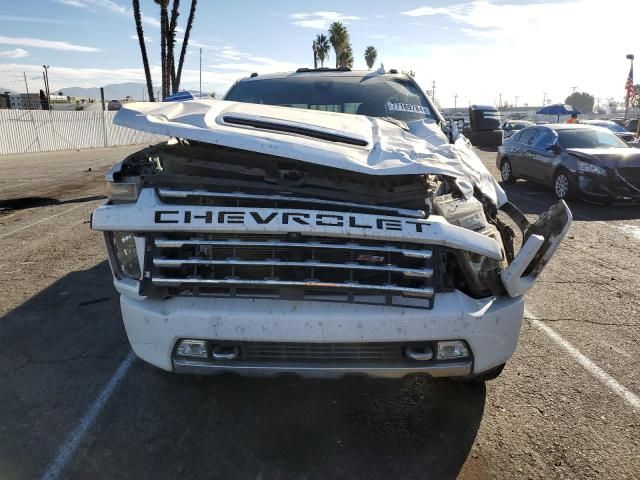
<point x="240" y="217"/>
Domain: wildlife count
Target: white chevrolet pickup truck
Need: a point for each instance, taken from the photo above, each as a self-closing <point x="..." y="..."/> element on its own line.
<point x="322" y="223"/>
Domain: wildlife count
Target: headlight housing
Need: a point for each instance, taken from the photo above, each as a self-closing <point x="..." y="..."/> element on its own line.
<point x="125" y="254"/>
<point x="587" y="167"/>
<point x="123" y="192"/>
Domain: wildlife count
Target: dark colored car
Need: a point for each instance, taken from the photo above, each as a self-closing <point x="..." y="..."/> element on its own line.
<point x="619" y="131"/>
<point x="575" y="160"/>
<point x="632" y="125"/>
<point x="114" y="106"/>
<point x="511" y="127"/>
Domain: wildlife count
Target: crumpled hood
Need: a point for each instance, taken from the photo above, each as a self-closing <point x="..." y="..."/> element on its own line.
<point x="351" y="142"/>
<point x="609" y="157"/>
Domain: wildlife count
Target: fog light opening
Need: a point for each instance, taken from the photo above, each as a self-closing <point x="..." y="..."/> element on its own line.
<point x="452" y="350"/>
<point x="192" y="348"/>
<point x="420" y="353"/>
<point x="225" y="352"/>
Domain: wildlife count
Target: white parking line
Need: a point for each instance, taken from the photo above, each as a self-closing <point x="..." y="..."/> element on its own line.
<point x="73" y="441"/>
<point x="619" y="389"/>
<point x="44" y="219"/>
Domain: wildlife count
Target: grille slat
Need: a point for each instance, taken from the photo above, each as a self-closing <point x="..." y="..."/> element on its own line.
<point x="176" y="263"/>
<point x="425" y="292"/>
<point x="407" y="252"/>
<point x="321" y="352"/>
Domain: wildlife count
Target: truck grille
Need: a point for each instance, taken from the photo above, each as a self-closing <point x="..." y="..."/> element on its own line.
<point x="334" y="352"/>
<point x="293" y="267"/>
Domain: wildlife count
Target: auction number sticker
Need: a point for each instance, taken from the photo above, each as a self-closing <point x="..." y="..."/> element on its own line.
<point x="406" y="107"/>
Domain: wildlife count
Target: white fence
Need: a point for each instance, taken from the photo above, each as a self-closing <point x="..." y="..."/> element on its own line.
<point x="25" y="131"/>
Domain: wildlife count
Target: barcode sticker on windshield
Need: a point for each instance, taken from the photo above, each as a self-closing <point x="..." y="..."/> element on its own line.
<point x="406" y="107"/>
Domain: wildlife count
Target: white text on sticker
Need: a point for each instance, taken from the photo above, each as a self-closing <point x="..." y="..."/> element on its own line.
<point x="406" y="107"/>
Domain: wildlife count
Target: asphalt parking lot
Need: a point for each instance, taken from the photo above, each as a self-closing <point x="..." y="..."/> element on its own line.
<point x="75" y="404"/>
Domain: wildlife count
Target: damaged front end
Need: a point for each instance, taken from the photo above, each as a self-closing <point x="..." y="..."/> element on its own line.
<point x="285" y="244"/>
<point x="303" y="228"/>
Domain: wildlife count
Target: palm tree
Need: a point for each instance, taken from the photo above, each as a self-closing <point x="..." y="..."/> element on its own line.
<point x="322" y="47"/>
<point x="143" y="48"/>
<point x="314" y="46"/>
<point x="185" y="42"/>
<point x="346" y="57"/>
<point x="171" y="43"/>
<point x="339" y="38"/>
<point x="164" y="31"/>
<point x="370" y="55"/>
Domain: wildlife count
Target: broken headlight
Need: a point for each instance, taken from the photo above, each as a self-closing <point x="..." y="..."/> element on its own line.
<point x="126" y="254"/>
<point x="587" y="167"/>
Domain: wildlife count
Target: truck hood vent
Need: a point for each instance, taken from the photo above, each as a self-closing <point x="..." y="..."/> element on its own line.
<point x="298" y="129"/>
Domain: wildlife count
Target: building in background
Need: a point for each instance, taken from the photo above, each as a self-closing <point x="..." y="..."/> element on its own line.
<point x="24" y="101"/>
<point x="4" y="101"/>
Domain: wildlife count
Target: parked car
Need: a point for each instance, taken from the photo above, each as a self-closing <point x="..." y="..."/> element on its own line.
<point x="632" y="125"/>
<point x="575" y="160"/>
<point x="484" y="126"/>
<point x="277" y="234"/>
<point x="620" y="132"/>
<point x="114" y="105"/>
<point x="511" y="127"/>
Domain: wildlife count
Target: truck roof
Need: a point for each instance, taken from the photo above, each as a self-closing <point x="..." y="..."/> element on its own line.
<point x="325" y="72"/>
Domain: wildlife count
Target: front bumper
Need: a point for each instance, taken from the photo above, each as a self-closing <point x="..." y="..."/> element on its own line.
<point x="490" y="327"/>
<point x="607" y="188"/>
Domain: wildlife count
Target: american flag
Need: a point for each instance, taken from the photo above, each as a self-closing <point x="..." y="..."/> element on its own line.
<point x="629" y="87"/>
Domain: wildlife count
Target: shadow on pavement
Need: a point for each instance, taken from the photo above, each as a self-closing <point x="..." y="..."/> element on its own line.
<point x="234" y="427"/>
<point x="57" y="350"/>
<point x="535" y="198"/>
<point x="21" y="203"/>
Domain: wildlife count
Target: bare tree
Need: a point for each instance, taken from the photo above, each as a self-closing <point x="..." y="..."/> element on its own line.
<point x="185" y="42"/>
<point x="171" y="75"/>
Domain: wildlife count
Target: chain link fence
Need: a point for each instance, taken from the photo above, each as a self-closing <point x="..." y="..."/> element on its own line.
<point x="28" y="131"/>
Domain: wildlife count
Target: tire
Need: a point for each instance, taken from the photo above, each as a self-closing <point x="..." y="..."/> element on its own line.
<point x="482" y="377"/>
<point x="563" y="186"/>
<point x="506" y="171"/>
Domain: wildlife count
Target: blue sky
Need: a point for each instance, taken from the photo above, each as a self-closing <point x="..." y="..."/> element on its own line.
<point x="477" y="50"/>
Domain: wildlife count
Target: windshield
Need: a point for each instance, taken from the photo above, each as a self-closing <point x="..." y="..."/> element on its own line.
<point x="614" y="127"/>
<point x="589" y="138"/>
<point x="375" y="96"/>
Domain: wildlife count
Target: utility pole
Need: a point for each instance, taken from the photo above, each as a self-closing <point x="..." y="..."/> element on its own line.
<point x="544" y="98"/>
<point x="627" y="98"/>
<point x="500" y="103"/>
<point x="574" y="89"/>
<point x="200" y="72"/>
<point x="455" y="102"/>
<point x="433" y="91"/>
<point x="517" y="97"/>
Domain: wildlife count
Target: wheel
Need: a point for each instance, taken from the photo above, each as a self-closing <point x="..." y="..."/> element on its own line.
<point x="506" y="171"/>
<point x="484" y="376"/>
<point x="563" y="185"/>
